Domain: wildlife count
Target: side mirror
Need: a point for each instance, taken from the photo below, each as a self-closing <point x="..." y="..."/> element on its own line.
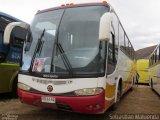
<point x="2" y="57"/>
<point x="10" y="27"/>
<point x="27" y="47"/>
<point x="105" y="27"/>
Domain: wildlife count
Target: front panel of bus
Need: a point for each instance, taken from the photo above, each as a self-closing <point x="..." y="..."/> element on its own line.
<point x="64" y="62"/>
<point x="7" y="70"/>
<point x="10" y="59"/>
<point x="142" y="69"/>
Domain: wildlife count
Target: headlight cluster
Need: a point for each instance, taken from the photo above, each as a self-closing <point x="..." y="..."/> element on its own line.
<point x="88" y="91"/>
<point x="24" y="87"/>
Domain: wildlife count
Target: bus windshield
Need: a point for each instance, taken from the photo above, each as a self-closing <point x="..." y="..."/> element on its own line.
<point x="65" y="41"/>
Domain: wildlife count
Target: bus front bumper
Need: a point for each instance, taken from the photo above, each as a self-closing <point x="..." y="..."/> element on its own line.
<point x="80" y="104"/>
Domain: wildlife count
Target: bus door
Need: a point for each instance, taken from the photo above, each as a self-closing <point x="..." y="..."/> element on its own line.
<point x="14" y="36"/>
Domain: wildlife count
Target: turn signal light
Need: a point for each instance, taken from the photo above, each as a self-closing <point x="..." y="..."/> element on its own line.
<point x="63" y="5"/>
<point x="68" y="4"/>
<point x="105" y="2"/>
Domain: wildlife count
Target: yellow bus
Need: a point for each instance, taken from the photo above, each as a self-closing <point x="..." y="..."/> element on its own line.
<point x="142" y="69"/>
<point x="154" y="69"/>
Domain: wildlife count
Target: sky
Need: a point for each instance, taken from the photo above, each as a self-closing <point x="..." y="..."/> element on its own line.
<point x="140" y="18"/>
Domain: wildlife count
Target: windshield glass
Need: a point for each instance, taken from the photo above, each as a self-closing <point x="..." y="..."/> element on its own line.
<point x="75" y="48"/>
<point x="49" y="22"/>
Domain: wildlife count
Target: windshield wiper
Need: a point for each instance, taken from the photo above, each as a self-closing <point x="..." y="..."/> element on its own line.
<point x="64" y="59"/>
<point x="38" y="49"/>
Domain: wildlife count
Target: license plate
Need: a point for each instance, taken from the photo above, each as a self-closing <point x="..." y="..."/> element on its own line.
<point x="48" y="99"/>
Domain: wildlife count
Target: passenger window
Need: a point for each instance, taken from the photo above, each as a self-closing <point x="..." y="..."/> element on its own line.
<point x="149" y="62"/>
<point x="152" y="59"/>
<point x="3" y="48"/>
<point x="112" y="59"/>
<point x="17" y="38"/>
<point x="157" y="56"/>
<point x="130" y="50"/>
<point x="1" y="41"/>
<point x="121" y="38"/>
<point x="126" y="45"/>
<point x="115" y="24"/>
<point x="133" y="57"/>
<point x="159" y="53"/>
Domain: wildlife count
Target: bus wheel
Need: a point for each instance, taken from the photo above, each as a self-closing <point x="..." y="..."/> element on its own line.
<point x="116" y="104"/>
<point x="133" y="83"/>
<point x="118" y="94"/>
<point x="151" y="84"/>
<point x="14" y="88"/>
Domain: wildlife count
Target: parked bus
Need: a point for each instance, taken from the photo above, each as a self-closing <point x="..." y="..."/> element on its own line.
<point x="77" y="58"/>
<point x="10" y="54"/>
<point x="154" y="70"/>
<point x="142" y="69"/>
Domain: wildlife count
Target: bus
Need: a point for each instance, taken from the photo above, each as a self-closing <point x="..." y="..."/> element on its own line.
<point x="10" y="53"/>
<point x="77" y="58"/>
<point x="142" y="69"/>
<point x="154" y="70"/>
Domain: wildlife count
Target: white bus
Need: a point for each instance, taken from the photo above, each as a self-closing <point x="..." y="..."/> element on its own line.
<point x="154" y="70"/>
<point x="77" y="58"/>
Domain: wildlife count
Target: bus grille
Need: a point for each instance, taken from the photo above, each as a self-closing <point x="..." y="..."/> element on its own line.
<point x="63" y="106"/>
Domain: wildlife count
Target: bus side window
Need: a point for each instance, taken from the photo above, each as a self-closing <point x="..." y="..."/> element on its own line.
<point x="3" y="48"/>
<point x="152" y="59"/>
<point x="159" y="54"/>
<point x="2" y="51"/>
<point x="155" y="57"/>
<point x="112" y="60"/>
<point x="122" y="38"/>
<point x="17" y="38"/>
<point x="1" y="41"/>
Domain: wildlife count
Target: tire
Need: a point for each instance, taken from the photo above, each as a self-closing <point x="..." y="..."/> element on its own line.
<point x="133" y="83"/>
<point x="118" y="93"/>
<point x="14" y="88"/>
<point x="131" y="89"/>
<point x="115" y="105"/>
<point x="151" y="84"/>
<point x="137" y="80"/>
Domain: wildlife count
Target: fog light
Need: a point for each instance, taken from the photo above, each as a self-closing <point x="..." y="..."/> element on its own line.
<point x="90" y="107"/>
<point x="97" y="106"/>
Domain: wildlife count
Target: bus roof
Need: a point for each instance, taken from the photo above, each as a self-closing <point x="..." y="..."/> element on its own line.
<point x="73" y="5"/>
<point x="9" y="16"/>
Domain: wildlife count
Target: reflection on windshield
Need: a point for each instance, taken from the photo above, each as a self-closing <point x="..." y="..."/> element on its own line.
<point x="48" y="21"/>
<point x="78" y="37"/>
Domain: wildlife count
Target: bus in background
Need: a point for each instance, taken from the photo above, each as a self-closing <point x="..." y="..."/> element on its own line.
<point x="77" y="58"/>
<point x="154" y="70"/>
<point x="142" y="69"/>
<point x="10" y="53"/>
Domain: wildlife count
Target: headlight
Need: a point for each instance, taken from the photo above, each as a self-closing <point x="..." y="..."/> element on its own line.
<point x="88" y="91"/>
<point x="24" y="87"/>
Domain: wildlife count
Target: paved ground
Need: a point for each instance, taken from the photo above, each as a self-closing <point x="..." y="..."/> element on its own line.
<point x="142" y="100"/>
